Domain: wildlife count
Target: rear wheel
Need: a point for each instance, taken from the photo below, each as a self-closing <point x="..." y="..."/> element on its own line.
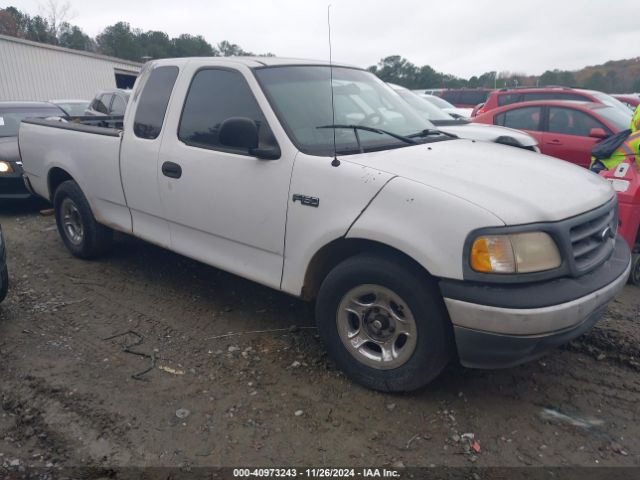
<point x="383" y="321"/>
<point x="80" y="232"/>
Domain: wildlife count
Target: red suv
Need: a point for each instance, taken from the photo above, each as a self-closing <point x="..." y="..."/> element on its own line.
<point x="507" y="96"/>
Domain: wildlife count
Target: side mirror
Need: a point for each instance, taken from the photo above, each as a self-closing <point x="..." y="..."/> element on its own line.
<point x="598" y="133"/>
<point x="242" y="132"/>
<point x="239" y="132"/>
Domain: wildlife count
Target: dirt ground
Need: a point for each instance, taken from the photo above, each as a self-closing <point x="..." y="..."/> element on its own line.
<point x="272" y="398"/>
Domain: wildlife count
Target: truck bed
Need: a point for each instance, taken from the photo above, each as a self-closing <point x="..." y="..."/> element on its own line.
<point x="85" y="148"/>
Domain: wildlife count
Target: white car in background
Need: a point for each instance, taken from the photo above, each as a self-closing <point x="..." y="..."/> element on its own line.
<point x="463" y="128"/>
<point x="445" y="106"/>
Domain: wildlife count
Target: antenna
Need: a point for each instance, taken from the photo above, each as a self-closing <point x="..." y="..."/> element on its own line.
<point x="335" y="162"/>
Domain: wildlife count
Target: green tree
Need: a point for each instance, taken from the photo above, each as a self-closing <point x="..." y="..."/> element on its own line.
<point x="396" y="69"/>
<point x="119" y="41"/>
<point x="71" y="36"/>
<point x="155" y="44"/>
<point x="39" y="30"/>
<point x="228" y="49"/>
<point x="596" y="81"/>
<point x="192" y="46"/>
<point x="427" y="77"/>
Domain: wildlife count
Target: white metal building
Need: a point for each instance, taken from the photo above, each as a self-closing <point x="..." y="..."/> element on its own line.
<point x="41" y="72"/>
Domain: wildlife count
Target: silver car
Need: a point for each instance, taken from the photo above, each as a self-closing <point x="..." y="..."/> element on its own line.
<point x="112" y="102"/>
<point x="463" y="128"/>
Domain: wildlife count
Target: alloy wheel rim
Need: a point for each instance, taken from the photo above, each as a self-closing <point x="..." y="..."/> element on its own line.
<point x="72" y="222"/>
<point x="377" y="327"/>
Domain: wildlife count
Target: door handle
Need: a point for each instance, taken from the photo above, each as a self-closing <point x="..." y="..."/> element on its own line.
<point x="172" y="170"/>
<point x="554" y="141"/>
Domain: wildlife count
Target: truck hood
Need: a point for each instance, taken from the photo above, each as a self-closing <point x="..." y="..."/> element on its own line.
<point x="488" y="133"/>
<point x="516" y="185"/>
<point x="9" y="149"/>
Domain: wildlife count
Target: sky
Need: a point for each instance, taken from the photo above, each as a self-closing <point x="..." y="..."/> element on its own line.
<point x="460" y="37"/>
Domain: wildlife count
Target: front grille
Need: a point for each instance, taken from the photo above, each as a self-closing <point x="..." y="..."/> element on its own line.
<point x="593" y="238"/>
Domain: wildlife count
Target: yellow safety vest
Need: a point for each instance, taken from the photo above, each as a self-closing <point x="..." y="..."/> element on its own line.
<point x="629" y="149"/>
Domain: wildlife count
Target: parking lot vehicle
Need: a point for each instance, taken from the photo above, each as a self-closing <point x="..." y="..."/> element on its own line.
<point x="73" y="108"/>
<point x="465" y="97"/>
<point x="463" y="128"/>
<point x="631" y="100"/>
<point x="414" y="245"/>
<point x="625" y="179"/>
<point x="11" y="113"/>
<point x="508" y="96"/>
<point x="4" y="272"/>
<point x="109" y="102"/>
<point x="563" y="129"/>
<point x="445" y="106"/>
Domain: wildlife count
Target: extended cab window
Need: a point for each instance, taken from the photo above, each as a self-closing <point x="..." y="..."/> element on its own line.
<point x="526" y="118"/>
<point x="153" y="102"/>
<point x="214" y="96"/>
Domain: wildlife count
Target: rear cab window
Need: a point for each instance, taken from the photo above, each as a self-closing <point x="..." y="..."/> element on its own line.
<point x="153" y="103"/>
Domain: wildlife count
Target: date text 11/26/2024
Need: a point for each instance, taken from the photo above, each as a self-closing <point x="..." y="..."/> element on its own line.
<point x="242" y="473"/>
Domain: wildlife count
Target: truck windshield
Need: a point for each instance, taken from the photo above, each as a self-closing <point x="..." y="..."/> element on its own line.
<point x="301" y="98"/>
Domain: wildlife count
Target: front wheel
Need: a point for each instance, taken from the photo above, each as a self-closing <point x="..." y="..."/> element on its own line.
<point x="78" y="228"/>
<point x="383" y="321"/>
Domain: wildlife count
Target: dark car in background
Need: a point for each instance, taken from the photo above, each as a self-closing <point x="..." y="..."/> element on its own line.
<point x="4" y="273"/>
<point x="564" y="129"/>
<point x="73" y="108"/>
<point x="11" y="114"/>
<point x="111" y="102"/>
<point x="465" y="97"/>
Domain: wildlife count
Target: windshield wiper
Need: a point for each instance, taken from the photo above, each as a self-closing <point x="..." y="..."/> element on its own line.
<point x="431" y="131"/>
<point x="355" y="129"/>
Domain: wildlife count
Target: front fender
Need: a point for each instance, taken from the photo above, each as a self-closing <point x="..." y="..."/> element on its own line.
<point x="427" y="224"/>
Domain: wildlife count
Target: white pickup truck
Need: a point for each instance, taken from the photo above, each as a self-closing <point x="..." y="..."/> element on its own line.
<point x="417" y="247"/>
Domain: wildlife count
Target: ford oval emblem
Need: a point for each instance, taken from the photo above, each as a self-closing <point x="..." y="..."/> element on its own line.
<point x="606" y="234"/>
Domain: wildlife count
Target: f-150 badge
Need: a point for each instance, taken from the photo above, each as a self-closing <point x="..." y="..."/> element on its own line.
<point x="305" y="200"/>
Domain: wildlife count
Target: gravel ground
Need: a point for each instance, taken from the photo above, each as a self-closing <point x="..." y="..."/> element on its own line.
<point x="68" y="397"/>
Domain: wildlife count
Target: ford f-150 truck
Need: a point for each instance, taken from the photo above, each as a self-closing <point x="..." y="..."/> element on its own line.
<point x="416" y="246"/>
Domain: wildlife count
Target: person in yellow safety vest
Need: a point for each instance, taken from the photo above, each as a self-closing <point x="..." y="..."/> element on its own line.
<point x="630" y="148"/>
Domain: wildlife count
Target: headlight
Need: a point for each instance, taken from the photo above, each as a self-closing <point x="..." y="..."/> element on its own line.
<point x="514" y="253"/>
<point x="5" y="167"/>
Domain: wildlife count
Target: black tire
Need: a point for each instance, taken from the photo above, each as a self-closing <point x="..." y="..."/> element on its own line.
<point x="433" y="347"/>
<point x="634" y="276"/>
<point x="94" y="239"/>
<point x="4" y="283"/>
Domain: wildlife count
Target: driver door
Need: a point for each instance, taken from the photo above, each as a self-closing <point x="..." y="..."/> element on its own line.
<point x="224" y="206"/>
